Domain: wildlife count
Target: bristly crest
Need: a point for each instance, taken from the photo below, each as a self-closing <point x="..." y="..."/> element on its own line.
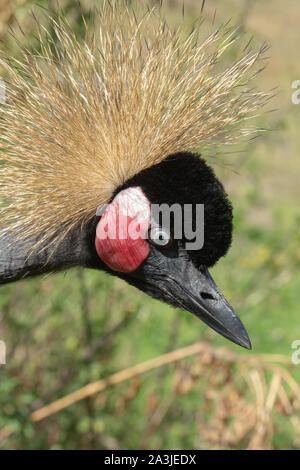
<point x="84" y="116"/>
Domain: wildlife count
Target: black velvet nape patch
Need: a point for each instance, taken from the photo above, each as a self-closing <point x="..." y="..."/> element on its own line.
<point x="185" y="178"/>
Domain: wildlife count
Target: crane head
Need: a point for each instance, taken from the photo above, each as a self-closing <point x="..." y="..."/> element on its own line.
<point x="162" y="231"/>
<point x="101" y="121"/>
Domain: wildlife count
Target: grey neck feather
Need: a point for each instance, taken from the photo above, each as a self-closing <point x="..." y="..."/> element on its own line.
<point x="16" y="261"/>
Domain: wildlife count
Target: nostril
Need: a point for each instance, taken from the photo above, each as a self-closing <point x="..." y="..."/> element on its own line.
<point x="206" y="295"/>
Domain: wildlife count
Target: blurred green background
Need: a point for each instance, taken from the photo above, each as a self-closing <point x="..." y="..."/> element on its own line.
<point x="67" y="330"/>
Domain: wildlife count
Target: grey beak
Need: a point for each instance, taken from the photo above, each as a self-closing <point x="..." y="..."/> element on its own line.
<point x="202" y="297"/>
<point x="178" y="282"/>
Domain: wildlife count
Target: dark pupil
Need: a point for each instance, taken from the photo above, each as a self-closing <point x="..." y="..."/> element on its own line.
<point x="160" y="237"/>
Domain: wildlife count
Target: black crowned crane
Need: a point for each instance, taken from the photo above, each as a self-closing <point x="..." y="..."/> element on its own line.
<point x="96" y="133"/>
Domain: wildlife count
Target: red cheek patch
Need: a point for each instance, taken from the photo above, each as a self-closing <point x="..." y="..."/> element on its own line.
<point x="121" y="233"/>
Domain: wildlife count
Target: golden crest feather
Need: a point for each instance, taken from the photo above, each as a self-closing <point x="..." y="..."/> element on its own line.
<point x="84" y="115"/>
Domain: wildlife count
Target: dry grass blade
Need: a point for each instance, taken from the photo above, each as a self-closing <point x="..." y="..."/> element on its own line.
<point x="239" y="399"/>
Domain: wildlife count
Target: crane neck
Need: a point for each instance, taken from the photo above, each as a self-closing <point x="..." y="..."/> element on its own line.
<point x="18" y="261"/>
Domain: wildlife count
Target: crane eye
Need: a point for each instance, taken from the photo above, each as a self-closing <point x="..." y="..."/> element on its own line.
<point x="160" y="237"/>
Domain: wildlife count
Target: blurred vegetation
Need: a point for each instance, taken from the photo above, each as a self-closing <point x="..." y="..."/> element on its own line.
<point x="65" y="331"/>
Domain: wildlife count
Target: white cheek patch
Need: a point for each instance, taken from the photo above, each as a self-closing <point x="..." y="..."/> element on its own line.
<point x="122" y="231"/>
<point x="133" y="203"/>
